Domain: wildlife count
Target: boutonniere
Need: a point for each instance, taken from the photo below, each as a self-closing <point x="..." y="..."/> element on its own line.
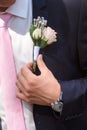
<point x="42" y="36"/>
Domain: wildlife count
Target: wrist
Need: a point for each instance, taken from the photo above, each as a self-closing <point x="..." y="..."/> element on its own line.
<point x="58" y="104"/>
<point x="58" y="92"/>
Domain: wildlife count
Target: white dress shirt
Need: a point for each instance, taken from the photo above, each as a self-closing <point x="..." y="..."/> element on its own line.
<point x="22" y="49"/>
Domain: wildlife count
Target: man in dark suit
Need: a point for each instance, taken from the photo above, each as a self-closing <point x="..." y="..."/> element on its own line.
<point x="63" y="68"/>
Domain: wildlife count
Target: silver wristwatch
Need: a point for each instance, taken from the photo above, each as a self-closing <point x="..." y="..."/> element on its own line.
<point x="58" y="105"/>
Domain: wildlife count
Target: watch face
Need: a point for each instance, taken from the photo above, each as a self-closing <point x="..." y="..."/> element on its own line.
<point x="58" y="107"/>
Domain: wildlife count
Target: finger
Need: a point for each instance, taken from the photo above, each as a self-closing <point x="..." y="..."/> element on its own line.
<point x="20" y="95"/>
<point x="18" y="90"/>
<point x="21" y="83"/>
<point x="19" y="86"/>
<point x="23" y="97"/>
<point x="41" y="65"/>
<point x="27" y="73"/>
<point x="30" y="66"/>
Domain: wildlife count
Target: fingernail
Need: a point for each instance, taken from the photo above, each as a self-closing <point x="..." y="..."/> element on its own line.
<point x="40" y="56"/>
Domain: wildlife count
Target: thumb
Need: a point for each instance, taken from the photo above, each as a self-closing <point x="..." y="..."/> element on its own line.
<point x="40" y="63"/>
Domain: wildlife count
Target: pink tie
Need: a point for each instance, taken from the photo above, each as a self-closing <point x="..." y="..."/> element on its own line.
<point x="12" y="105"/>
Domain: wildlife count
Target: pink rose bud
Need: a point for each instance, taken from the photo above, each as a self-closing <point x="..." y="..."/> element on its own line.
<point x="49" y="35"/>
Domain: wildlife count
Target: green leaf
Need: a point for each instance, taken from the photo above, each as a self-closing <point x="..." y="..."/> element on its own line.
<point x="32" y="28"/>
<point x="43" y="43"/>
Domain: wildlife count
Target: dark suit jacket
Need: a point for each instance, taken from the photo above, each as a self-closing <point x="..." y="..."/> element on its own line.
<point x="67" y="58"/>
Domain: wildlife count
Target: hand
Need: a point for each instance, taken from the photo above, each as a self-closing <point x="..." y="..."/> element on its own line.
<point x="42" y="89"/>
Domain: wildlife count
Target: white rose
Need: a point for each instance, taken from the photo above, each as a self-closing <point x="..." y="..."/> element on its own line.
<point x="37" y="33"/>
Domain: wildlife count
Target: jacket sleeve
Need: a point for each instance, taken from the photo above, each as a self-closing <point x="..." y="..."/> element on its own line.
<point x="76" y="90"/>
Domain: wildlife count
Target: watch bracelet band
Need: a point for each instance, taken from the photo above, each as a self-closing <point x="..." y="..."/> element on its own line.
<point x="58" y="105"/>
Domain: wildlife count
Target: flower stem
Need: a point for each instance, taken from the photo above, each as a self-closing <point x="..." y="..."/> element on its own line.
<point x="34" y="65"/>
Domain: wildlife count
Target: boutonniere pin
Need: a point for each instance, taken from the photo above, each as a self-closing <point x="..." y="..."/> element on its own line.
<point x="42" y="36"/>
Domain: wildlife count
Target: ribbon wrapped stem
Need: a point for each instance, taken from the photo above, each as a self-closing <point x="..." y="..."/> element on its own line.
<point x="35" y="55"/>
